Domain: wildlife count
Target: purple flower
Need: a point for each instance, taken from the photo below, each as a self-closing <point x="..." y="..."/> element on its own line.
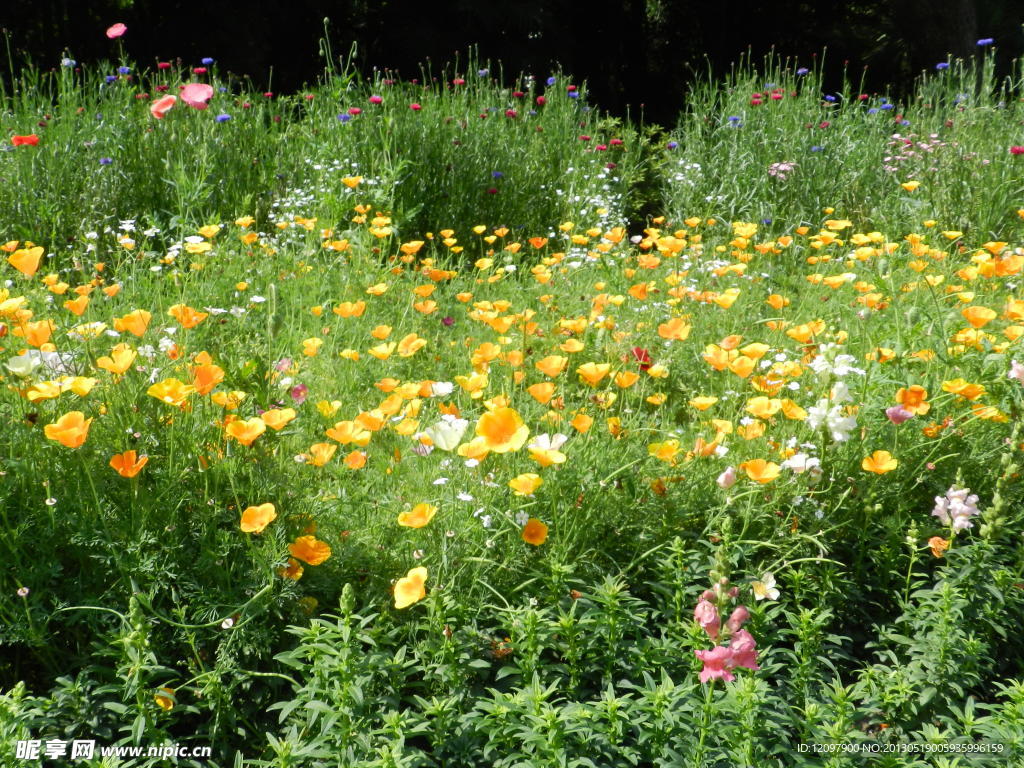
<point x="497" y="174"/>
<point x="551" y="81"/>
<point x="574" y="94"/>
<point x="672" y="144"/>
<point x="206" y="61"/>
<point x="803" y="71"/>
<point x="483" y="72"/>
<point x="986" y="41"/>
<point x="222" y="118"/>
<point x="830" y="98"/>
<point x="105" y="161"/>
<point x="898" y="414"/>
<point x="816" y="148"/>
<point x="124" y="70"/>
<point x="344" y="117"/>
<point x="448" y="322"/>
<point x="942" y="65"/>
<point x="111" y="78"/>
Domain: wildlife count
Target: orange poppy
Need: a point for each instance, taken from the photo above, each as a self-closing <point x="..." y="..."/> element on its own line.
<point x="535" y="532"/>
<point x="309" y="550"/>
<point x="71" y="430"/>
<point x="256" y="518"/>
<point x="409" y="589"/>
<point x="126" y="464"/>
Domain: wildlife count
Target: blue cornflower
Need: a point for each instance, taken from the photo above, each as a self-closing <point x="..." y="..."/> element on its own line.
<point x="816" y="148"/>
<point x="111" y="78"/>
<point x="942" y="65"/>
<point x="803" y="71"/>
<point x="223" y="118"/>
<point x="497" y="174"/>
<point x="672" y="144"/>
<point x="873" y="111"/>
<point x="68" y="62"/>
<point x="124" y="70"/>
<point x="483" y="72"/>
<point x="551" y="80"/>
<point x="105" y="161"/>
<point x="886" y="106"/>
<point x="206" y="61"/>
<point x="830" y="97"/>
<point x="574" y="94"/>
<point x="344" y="117"/>
<point x="986" y="41"/>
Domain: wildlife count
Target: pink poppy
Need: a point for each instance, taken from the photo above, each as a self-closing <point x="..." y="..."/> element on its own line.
<point x="160" y="107"/>
<point x="116" y="30"/>
<point x="197" y="94"/>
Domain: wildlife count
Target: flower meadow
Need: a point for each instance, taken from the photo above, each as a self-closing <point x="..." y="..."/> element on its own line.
<point x="448" y="421"/>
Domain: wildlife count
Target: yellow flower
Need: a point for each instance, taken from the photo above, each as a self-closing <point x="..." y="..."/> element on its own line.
<point x="409" y="589"/>
<point x="525" y="484"/>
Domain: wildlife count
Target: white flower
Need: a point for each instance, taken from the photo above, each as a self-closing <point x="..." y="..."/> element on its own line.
<point x="237" y="311"/>
<point x="957" y="508"/>
<point x="257" y="299"/>
<point x="546" y="442"/>
<point x="801" y="462"/>
<point x="522" y="518"/>
<point x="463" y="496"/>
<point x="472" y="463"/>
<point x="447" y="433"/>
<point x="441" y="388"/>
<point x="441" y="481"/>
<point x="765" y="588"/>
<point x="727" y="479"/>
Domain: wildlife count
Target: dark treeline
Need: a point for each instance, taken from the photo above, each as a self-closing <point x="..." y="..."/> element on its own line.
<point x="633" y="53"/>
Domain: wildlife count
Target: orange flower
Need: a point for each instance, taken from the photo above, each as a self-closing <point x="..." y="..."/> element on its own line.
<point x="120" y="360"/>
<point x="879" y="462"/>
<point x="255" y="519"/>
<point x="410" y="345"/>
<point x="760" y="471"/>
<point x="676" y="329"/>
<point x="525" y="484"/>
<point x="29" y="140"/>
<point x="409" y="589"/>
<point x="70" y="430"/>
<point x="134" y="323"/>
<point x="418" y="516"/>
<point x="535" y="532"/>
<point x="291" y="571"/>
<point x="978" y="317"/>
<point x="278" y="418"/>
<point x="963" y="389"/>
<point x="552" y="365"/>
<point x="542" y="392"/>
<point x="356" y="460"/>
<point x="939" y="545"/>
<point x="188" y="317"/>
<point x="247" y="431"/>
<point x="346" y="432"/>
<point x="913" y="399"/>
<point x="206" y="377"/>
<point x="321" y="453"/>
<point x="26" y="260"/>
<point x="309" y="550"/>
<point x="592" y="373"/>
<point x="502" y="430"/>
<point x="126" y="463"/>
<point x="77" y="306"/>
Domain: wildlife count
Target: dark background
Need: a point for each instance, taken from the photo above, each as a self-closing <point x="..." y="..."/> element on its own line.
<point x="633" y="53"/>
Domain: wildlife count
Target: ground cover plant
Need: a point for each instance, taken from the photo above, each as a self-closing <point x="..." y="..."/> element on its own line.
<point x="447" y="423"/>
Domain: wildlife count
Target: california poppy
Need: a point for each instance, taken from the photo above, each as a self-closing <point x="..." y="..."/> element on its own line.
<point x="409" y="589"/>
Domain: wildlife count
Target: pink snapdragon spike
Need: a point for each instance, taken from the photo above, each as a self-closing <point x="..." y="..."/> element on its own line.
<point x="898" y="414"/>
<point x="706" y="614"/>
<point x="717" y="663"/>
<point x="197" y="94"/>
<point x="160" y="107"/>
<point x="116" y="30"/>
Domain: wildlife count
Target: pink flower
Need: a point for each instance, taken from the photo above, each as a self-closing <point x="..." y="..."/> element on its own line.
<point x="727" y="479"/>
<point x="160" y="107"/>
<point x="1016" y="371"/>
<point x="717" y="663"/>
<point x="415" y="107"/>
<point x="116" y="30"/>
<point x="197" y="94"/>
<point x="742" y="647"/>
<point x="376" y="99"/>
<point x="898" y="414"/>
<point x="1017" y="150"/>
<point x="299" y="393"/>
<point x="737" y="618"/>
<point x="706" y="615"/>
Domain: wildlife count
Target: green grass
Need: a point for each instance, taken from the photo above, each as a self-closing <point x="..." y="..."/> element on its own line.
<point x="724" y="375"/>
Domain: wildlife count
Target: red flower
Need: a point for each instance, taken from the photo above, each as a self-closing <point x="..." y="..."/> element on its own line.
<point x="415" y="107"/>
<point x="1017" y="150"/>
<point x="31" y="140"/>
<point x="643" y="357"/>
<point x="163" y="65"/>
<point x="541" y="101"/>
